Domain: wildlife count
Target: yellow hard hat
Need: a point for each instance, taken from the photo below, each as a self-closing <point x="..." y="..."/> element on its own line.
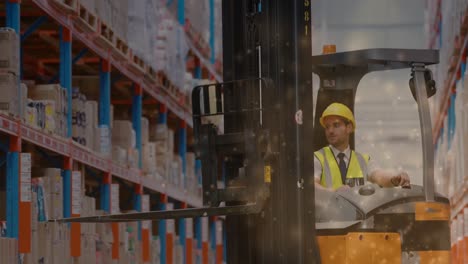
<point x="337" y="109"/>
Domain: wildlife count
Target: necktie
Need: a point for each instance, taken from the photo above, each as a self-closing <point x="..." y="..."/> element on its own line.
<point x="342" y="165"/>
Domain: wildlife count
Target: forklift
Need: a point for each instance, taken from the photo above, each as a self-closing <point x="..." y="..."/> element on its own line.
<point x="256" y="132"/>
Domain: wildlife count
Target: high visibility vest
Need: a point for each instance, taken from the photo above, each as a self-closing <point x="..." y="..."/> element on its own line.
<point x="331" y="175"/>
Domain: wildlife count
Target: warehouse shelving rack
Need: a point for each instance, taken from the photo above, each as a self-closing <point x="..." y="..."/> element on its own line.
<point x="18" y="213"/>
<point x="457" y="67"/>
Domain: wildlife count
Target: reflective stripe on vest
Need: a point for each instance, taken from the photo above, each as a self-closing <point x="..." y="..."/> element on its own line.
<point x="331" y="176"/>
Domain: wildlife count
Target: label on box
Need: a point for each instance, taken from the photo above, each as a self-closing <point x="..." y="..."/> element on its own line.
<point x="76" y="192"/>
<point x="26" y="177"/>
<point x="104" y="139"/>
<point x="25" y="161"/>
<point x="25" y="191"/>
<point x="76" y="209"/>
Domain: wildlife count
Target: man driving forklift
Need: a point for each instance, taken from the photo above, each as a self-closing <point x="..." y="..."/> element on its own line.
<point x="337" y="167"/>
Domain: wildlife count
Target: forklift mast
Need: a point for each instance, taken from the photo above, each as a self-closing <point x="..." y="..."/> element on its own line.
<point x="273" y="39"/>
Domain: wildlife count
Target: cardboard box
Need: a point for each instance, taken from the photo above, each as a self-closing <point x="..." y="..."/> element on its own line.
<point x="144" y="130"/>
<point x="104" y="145"/>
<point x="9" y="84"/>
<point x="10" y="53"/>
<point x="50" y="92"/>
<point x="164" y="163"/>
<point x="31" y="116"/>
<point x="123" y="134"/>
<point x="119" y="154"/>
<point x="149" y="158"/>
<point x="161" y="132"/>
<point x="91" y="113"/>
<point x="175" y="173"/>
<point x="132" y="157"/>
<point x="53" y="188"/>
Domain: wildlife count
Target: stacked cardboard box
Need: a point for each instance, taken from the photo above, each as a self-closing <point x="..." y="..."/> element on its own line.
<point x="149" y="162"/>
<point x="119" y="154"/>
<point x="191" y="179"/>
<point x="53" y="188"/>
<point x="123" y="134"/>
<point x="9" y="87"/>
<point x="8" y="250"/>
<point x="104" y="241"/>
<point x="97" y="137"/>
<point x="129" y="245"/>
<point x="88" y="232"/>
<point x="103" y="141"/>
<point x="40" y="199"/>
<point x="30" y="114"/>
<point x="50" y="244"/>
<point x="44" y="204"/>
<point x="133" y="157"/>
<point x="123" y="138"/>
<point x="78" y="116"/>
<point x="160" y="44"/>
<point x="149" y="159"/>
<point x="91" y="125"/>
<point x="175" y="175"/>
<point x="144" y="130"/>
<point x="156" y="250"/>
<point x="115" y="198"/>
<point x="164" y="150"/>
<point x="50" y="102"/>
<point x="9" y="72"/>
<point x="35" y="211"/>
<point x="9" y="51"/>
<point x="178" y="251"/>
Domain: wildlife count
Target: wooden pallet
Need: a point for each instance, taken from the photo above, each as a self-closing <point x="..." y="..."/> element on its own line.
<point x="151" y="74"/>
<point x="180" y="97"/>
<point x="160" y="78"/>
<point x="172" y="89"/>
<point x="137" y="65"/>
<point x="106" y="36"/>
<point x="121" y="50"/>
<point x="188" y="100"/>
<point x="68" y="6"/>
<point x="86" y="21"/>
<point x="164" y="81"/>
